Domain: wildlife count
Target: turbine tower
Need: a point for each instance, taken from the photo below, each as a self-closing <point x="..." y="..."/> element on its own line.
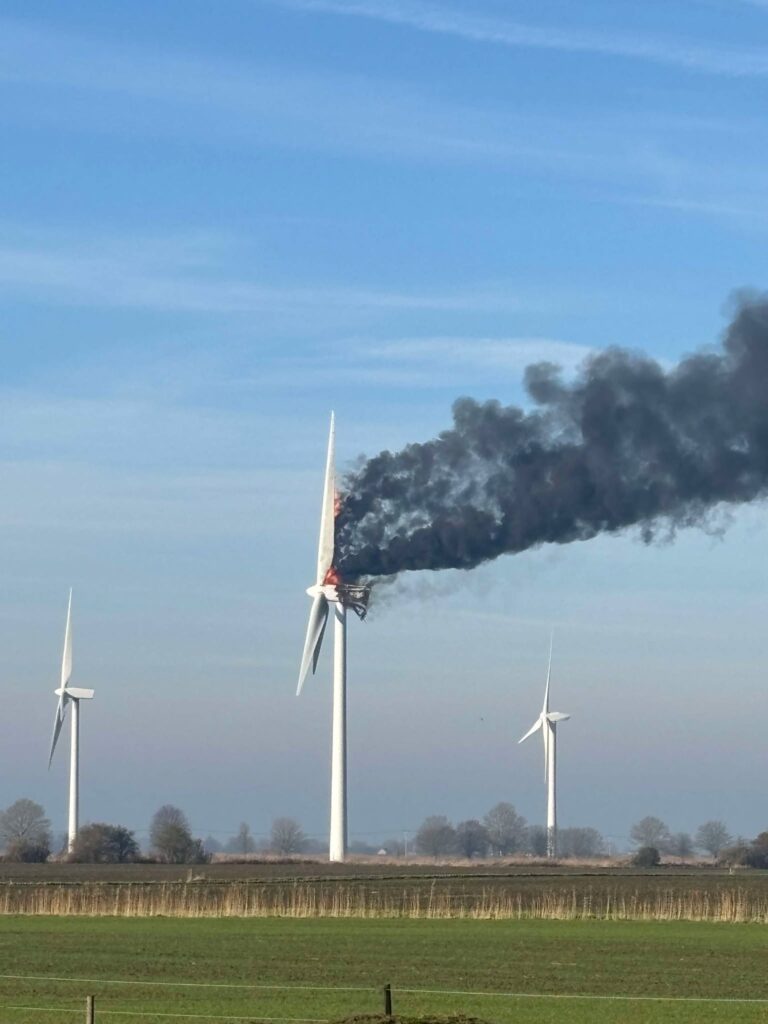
<point x="330" y="591"/>
<point x="547" y="722"/>
<point x="70" y="695"/>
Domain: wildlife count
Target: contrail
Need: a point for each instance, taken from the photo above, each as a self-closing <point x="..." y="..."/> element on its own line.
<point x="628" y="443"/>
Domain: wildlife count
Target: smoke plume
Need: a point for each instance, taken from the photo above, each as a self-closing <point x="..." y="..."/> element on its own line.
<point x="628" y="443"/>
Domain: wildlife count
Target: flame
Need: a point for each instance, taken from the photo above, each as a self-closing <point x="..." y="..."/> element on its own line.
<point x="333" y="577"/>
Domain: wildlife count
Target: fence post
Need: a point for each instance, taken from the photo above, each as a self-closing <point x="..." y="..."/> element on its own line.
<point x="388" y="1000"/>
<point x="90" y="1014"/>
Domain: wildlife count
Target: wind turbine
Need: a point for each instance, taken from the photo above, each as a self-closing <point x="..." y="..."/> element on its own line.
<point x="70" y="695"/>
<point x="547" y="722"/>
<point x="330" y="592"/>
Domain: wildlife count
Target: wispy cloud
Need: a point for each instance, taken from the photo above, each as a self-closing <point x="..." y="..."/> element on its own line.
<point x="486" y="354"/>
<point x="177" y="94"/>
<point x="748" y="215"/>
<point x="476" y="27"/>
<point x="87" y="84"/>
<point x="178" y="276"/>
<point x="418" y="363"/>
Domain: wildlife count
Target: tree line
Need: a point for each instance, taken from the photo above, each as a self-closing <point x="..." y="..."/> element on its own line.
<point x="650" y="832"/>
<point x="26" y="836"/>
<point x="501" y="833"/>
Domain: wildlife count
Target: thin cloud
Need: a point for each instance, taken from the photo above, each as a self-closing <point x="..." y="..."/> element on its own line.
<point x="682" y="54"/>
<point x="177" y="95"/>
<point x="424" y="364"/>
<point x="481" y="353"/>
<point x="103" y="275"/>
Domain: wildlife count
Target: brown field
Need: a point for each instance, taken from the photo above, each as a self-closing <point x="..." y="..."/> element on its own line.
<point x="303" y="888"/>
<point x="266" y="869"/>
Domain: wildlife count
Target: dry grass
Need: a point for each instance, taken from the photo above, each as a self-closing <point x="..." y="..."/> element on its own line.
<point x="203" y="899"/>
<point x="454" y="863"/>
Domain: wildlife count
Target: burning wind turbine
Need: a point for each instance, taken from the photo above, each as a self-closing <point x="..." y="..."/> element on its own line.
<point x="627" y="443"/>
<point x="328" y="592"/>
<point x="70" y="695"/>
<point x="547" y="722"/>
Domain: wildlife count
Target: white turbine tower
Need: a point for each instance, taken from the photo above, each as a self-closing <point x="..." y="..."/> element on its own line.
<point x="547" y="722"/>
<point x="329" y="591"/>
<point x="70" y="695"/>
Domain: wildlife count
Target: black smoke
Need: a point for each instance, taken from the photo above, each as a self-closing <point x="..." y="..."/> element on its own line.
<point x="628" y="443"/>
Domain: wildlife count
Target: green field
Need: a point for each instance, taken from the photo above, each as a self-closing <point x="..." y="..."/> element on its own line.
<point x="533" y="971"/>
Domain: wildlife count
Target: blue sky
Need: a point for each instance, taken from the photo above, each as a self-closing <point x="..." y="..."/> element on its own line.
<point x="218" y="222"/>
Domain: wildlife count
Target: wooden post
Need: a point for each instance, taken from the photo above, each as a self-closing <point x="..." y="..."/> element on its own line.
<point x="388" y="1000"/>
<point x="90" y="1013"/>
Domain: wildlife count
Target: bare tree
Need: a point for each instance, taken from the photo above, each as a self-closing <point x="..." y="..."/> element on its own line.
<point x="287" y="836"/>
<point x="243" y="842"/>
<point x="537" y="840"/>
<point x="650" y="831"/>
<point x="713" y="836"/>
<point x="505" y="828"/>
<point x="171" y="837"/>
<point x="436" y="836"/>
<point x="680" y="845"/>
<point x="25" y="832"/>
<point x="579" y="842"/>
<point x="211" y="845"/>
<point x="471" y="838"/>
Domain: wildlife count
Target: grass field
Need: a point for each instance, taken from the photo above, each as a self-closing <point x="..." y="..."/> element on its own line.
<point x="533" y="971"/>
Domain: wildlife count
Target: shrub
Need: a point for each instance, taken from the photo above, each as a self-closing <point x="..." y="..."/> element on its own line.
<point x="26" y="851"/>
<point x="471" y="838"/>
<point x="646" y="857"/>
<point x="734" y="856"/>
<point x="104" y="844"/>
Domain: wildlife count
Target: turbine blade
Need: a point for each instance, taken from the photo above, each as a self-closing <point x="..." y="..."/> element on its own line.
<point x="319" y="641"/>
<point x="534" y="728"/>
<point x="547" y="740"/>
<point x="545" y="708"/>
<point x="57" y="724"/>
<point x="318" y="616"/>
<point x="557" y="716"/>
<point x="325" y="549"/>
<point x="66" y="657"/>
